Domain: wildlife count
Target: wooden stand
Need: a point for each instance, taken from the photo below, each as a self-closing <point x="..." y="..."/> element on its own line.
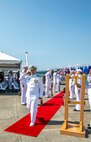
<point x="71" y="128"/>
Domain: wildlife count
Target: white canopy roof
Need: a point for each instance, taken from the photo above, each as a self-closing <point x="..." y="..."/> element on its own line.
<point x="4" y="58"/>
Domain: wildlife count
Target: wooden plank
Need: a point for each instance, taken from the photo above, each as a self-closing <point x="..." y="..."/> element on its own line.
<point x="73" y="102"/>
<point x="82" y="101"/>
<point x="66" y="98"/>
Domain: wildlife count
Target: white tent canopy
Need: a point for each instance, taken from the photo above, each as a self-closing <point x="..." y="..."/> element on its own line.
<point x="4" y="58"/>
<point x="8" y="62"/>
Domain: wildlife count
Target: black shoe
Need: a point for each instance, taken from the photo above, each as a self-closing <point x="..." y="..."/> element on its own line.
<point x="23" y="104"/>
<point x="39" y="104"/>
<point x="48" y="97"/>
<point x="70" y="98"/>
<point x="76" y="110"/>
<point x="89" y="127"/>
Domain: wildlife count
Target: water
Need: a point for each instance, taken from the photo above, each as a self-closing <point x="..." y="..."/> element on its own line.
<point x="41" y="73"/>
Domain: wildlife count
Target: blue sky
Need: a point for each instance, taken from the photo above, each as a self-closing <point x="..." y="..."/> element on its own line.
<point x="55" y="33"/>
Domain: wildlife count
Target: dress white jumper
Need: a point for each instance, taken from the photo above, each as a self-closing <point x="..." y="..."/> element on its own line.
<point x="23" y="85"/>
<point x="54" y="82"/>
<point x="78" y="92"/>
<point x="47" y="84"/>
<point x="89" y="89"/>
<point x="71" y="86"/>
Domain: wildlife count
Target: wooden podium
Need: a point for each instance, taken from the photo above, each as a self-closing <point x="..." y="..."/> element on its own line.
<point x="72" y="128"/>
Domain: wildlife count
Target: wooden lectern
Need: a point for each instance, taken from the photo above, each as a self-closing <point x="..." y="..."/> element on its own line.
<point x="71" y="128"/>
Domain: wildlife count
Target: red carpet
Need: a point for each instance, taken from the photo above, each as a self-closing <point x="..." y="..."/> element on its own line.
<point x="45" y="113"/>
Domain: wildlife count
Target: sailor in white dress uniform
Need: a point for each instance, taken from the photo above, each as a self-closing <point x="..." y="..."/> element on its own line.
<point x="58" y="82"/>
<point x="78" y="89"/>
<point x="89" y="87"/>
<point x="54" y="81"/>
<point x="34" y="93"/>
<point x="23" y="85"/>
<point x="47" y="83"/>
<point x="71" y="84"/>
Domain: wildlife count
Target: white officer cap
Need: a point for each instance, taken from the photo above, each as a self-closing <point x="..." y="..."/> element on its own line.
<point x="25" y="66"/>
<point x="55" y="70"/>
<point x="79" y="70"/>
<point x="48" y="69"/>
<point x="32" y="67"/>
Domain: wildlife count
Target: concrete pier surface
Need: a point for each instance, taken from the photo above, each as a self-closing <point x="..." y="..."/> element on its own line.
<point x="11" y="111"/>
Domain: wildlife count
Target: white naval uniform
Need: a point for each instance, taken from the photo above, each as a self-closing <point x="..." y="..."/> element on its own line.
<point x="71" y="86"/>
<point x="58" y="83"/>
<point x="34" y="91"/>
<point x="23" y="85"/>
<point x="89" y="89"/>
<point x="78" y="92"/>
<point x="54" y="82"/>
<point x="47" y="84"/>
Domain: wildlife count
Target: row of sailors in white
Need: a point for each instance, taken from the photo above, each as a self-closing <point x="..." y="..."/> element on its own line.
<point x="32" y="90"/>
<point x="56" y="82"/>
<point x="11" y="79"/>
